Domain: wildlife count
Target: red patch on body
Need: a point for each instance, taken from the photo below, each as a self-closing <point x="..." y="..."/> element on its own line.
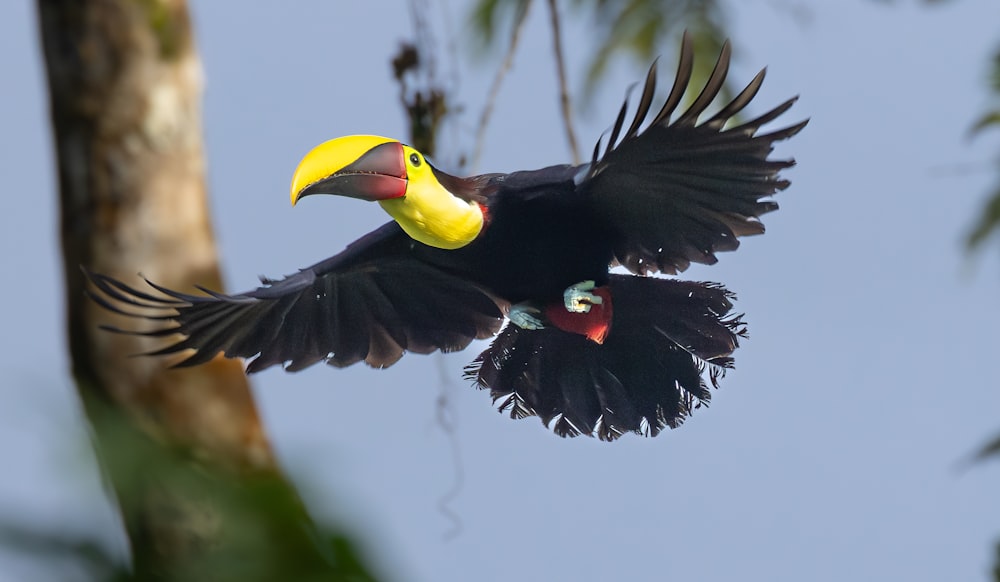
<point x="595" y="324"/>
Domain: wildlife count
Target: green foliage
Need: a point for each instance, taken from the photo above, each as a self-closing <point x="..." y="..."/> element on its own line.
<point x="58" y="548"/>
<point x="989" y="221"/>
<point x="642" y="29"/>
<point x="219" y="523"/>
<point x="991" y="449"/>
<point x="487" y="14"/>
<point x="170" y="25"/>
<point x="996" y="567"/>
<point x="645" y="28"/>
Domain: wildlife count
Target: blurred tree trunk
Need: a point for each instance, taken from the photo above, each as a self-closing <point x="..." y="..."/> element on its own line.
<point x="125" y="86"/>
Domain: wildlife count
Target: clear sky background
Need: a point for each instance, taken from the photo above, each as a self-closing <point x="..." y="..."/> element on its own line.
<point x="833" y="452"/>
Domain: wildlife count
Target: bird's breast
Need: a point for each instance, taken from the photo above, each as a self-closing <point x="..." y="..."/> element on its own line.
<point x="533" y="250"/>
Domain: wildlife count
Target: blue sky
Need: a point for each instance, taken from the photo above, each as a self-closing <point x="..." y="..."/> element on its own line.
<point x="832" y="452"/>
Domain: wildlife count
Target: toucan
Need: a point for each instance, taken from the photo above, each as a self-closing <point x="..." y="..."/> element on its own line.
<point x="528" y="257"/>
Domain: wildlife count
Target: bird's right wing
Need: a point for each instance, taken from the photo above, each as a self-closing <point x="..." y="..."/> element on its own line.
<point x="374" y="301"/>
<point x="683" y="189"/>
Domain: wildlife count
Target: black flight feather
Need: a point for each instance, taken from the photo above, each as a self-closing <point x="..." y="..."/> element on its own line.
<point x="680" y="191"/>
<point x="373" y="302"/>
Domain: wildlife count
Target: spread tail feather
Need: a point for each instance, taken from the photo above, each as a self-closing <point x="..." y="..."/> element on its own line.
<point x="648" y="374"/>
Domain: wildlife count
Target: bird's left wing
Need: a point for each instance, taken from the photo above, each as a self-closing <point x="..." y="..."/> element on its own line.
<point x="683" y="188"/>
<point x="374" y="301"/>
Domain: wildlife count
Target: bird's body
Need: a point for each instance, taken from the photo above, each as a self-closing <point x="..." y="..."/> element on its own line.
<point x="538" y="239"/>
<point x="590" y="352"/>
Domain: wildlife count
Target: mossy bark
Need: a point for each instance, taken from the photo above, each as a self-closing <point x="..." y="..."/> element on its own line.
<point x="125" y="88"/>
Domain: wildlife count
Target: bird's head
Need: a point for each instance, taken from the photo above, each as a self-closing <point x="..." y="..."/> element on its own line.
<point x="399" y="178"/>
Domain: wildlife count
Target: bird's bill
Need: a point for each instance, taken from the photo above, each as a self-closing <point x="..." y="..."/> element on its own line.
<point x="368" y="167"/>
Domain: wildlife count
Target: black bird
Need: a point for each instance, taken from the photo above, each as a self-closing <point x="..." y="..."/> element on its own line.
<point x="588" y="351"/>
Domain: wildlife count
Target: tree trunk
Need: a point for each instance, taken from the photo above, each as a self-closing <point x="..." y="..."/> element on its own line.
<point x="125" y="85"/>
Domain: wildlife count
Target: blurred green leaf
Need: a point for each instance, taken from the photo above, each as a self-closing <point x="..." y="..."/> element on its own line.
<point x="991" y="449"/>
<point x="641" y="29"/>
<point x="488" y="14"/>
<point x="229" y="525"/>
<point x="988" y="119"/>
<point x="996" y="565"/>
<point x="989" y="219"/>
<point x="991" y="117"/>
<point x="988" y="222"/>
<point x="60" y="548"/>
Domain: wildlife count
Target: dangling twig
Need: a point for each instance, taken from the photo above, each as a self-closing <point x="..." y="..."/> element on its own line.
<point x="564" y="103"/>
<point x="515" y="36"/>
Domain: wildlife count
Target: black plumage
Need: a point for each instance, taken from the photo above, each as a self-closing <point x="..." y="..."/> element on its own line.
<point x="646" y="376"/>
<point x="669" y="192"/>
<point x="372" y="302"/>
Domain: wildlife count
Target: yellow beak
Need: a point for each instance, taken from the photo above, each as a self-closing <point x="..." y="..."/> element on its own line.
<point x="368" y="167"/>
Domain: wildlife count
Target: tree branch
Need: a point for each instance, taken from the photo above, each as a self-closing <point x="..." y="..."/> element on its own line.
<point x="564" y="100"/>
<point x="484" y="119"/>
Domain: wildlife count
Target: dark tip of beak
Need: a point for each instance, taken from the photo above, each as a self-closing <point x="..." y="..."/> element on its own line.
<point x="370" y="187"/>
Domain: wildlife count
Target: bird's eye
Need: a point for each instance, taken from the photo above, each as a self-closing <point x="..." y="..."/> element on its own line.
<point x="415" y="160"/>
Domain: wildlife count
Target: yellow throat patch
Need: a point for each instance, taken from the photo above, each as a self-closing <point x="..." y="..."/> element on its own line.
<point x="430" y="213"/>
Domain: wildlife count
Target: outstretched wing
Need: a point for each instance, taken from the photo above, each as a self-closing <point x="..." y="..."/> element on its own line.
<point x="372" y="302"/>
<point x="680" y="191"/>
